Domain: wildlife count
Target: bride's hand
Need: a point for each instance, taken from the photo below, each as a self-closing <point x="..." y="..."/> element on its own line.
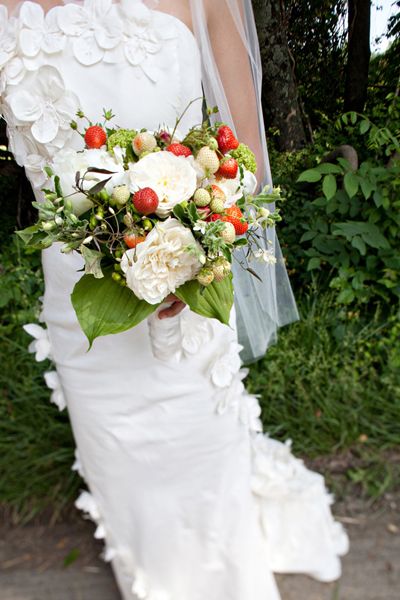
<point x="176" y="307"/>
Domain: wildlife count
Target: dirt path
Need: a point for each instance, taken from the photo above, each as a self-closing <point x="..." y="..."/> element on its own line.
<point x="32" y="561"/>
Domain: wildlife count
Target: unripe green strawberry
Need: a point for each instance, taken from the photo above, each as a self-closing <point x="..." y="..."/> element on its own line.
<point x="213" y="144"/>
<point x="143" y="142"/>
<point x="217" y="205"/>
<point x="205" y="276"/>
<point x="202" y="197"/>
<point x="228" y="234"/>
<point x="208" y="159"/>
<point x="121" y="194"/>
<point x="221" y="268"/>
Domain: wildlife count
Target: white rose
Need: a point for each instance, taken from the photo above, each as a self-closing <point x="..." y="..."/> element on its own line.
<point x="171" y="177"/>
<point x="161" y="264"/>
<point x="68" y="162"/>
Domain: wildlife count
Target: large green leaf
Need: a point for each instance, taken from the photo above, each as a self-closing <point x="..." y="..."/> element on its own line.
<point x="104" y="307"/>
<point x="214" y="301"/>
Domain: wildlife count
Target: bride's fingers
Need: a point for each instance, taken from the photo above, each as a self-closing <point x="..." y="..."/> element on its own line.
<point x="171" y="311"/>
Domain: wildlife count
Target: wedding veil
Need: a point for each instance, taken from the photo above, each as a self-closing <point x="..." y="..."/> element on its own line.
<point x="261" y="306"/>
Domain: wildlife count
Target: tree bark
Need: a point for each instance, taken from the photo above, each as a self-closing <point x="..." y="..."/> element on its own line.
<point x="279" y="86"/>
<point x="359" y="53"/>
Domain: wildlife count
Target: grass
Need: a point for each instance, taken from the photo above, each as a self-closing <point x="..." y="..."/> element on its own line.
<point x="332" y="383"/>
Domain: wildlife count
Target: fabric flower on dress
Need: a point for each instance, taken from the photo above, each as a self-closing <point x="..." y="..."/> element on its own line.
<point x="57" y="396"/>
<point x="171" y="177"/>
<point x="44" y="104"/>
<point x="225" y="367"/>
<point x="39" y="32"/>
<point x="77" y="465"/>
<point x="40" y="346"/>
<point x="8" y="40"/>
<point x="196" y="332"/>
<point x="142" y="589"/>
<point x="162" y="263"/>
<point x="34" y="168"/>
<point x="96" y="26"/>
<point x="143" y="38"/>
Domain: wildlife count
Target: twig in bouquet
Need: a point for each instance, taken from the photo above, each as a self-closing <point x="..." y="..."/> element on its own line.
<point x="179" y="119"/>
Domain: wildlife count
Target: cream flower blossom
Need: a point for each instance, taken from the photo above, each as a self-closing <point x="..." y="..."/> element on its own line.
<point x="68" y="162"/>
<point x="171" y="177"/>
<point x="44" y="104"/>
<point x="161" y="264"/>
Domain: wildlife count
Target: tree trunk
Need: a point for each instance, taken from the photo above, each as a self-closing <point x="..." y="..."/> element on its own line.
<point x="279" y="86"/>
<point x="359" y="52"/>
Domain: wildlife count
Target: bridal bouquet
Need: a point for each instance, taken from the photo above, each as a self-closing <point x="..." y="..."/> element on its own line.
<point x="152" y="213"/>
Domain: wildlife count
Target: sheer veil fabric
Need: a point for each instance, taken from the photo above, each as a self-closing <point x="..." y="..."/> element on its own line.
<point x="261" y="307"/>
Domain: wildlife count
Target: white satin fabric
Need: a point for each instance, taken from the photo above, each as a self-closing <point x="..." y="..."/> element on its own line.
<point x="193" y="501"/>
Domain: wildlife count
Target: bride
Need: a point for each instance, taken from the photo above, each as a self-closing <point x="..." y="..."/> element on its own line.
<point x="193" y="501"/>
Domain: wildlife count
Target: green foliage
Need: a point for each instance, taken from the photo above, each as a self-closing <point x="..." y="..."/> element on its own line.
<point x="333" y="380"/>
<point x="343" y="224"/>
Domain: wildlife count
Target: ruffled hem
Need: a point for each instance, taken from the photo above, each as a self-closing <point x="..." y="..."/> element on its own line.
<point x="301" y="535"/>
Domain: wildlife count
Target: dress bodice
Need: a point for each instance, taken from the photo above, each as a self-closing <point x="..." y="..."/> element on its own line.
<point x="143" y="64"/>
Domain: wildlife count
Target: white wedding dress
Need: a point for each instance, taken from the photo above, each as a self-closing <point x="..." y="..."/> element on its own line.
<point x="193" y="501"/>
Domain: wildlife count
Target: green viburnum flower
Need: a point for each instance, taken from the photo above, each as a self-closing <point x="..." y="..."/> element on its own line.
<point x="120" y="137"/>
<point x="245" y="157"/>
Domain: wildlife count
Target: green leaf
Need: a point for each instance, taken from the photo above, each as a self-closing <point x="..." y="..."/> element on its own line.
<point x="329" y="186"/>
<point x="104" y="307"/>
<point x="326" y="168"/>
<point x="214" y="301"/>
<point x="350" y="184"/>
<point x="346" y="296"/>
<point x="92" y="260"/>
<point x="311" y="176"/>
<point x="240" y="242"/>
<point x="48" y="171"/>
<point x="366" y="188"/>
<point x="27" y="234"/>
<point x="364" y="126"/>
<point x="57" y="186"/>
<point x="97" y="187"/>
<point x="313" y="263"/>
<point x="358" y="243"/>
<point x="71" y="557"/>
<point x="308" y="235"/>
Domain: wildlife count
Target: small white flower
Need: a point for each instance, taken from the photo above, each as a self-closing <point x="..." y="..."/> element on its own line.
<point x="53" y="382"/>
<point x="171" y="177"/>
<point x="267" y="256"/>
<point x="40" y="346"/>
<point x="200" y="226"/>
<point x="160" y="264"/>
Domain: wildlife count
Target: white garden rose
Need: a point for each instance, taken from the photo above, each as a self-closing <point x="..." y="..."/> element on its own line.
<point x="161" y="264"/>
<point x="171" y="177"/>
<point x="68" y="162"/>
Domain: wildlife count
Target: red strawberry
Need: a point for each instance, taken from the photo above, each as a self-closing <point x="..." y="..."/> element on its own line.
<point x="145" y="201"/>
<point x="235" y="216"/>
<point x="131" y="239"/>
<point x="179" y="149"/>
<point x="228" y="168"/>
<point x="95" y="137"/>
<point x="226" y="139"/>
<point x="215" y="217"/>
